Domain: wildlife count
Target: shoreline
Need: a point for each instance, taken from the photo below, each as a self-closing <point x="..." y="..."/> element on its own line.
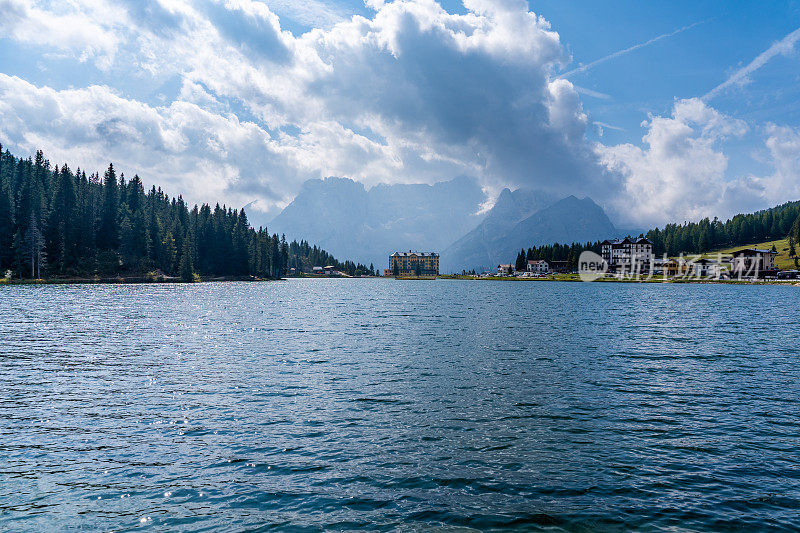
<point x="573" y="278"/>
<point x="568" y="278"/>
<point x="131" y="280"/>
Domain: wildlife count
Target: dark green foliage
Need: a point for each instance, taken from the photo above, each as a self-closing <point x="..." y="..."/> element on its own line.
<point x="186" y="264"/>
<point x="56" y="223"/>
<point x="108" y="232"/>
<point x="61" y="239"/>
<point x="6" y="218"/>
<point x="521" y="262"/>
<point x="698" y="237"/>
<point x="794" y="240"/>
<point x="560" y="252"/>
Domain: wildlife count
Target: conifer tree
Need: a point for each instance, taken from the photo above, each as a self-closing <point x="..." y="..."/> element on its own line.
<point x="520" y="264"/>
<point x="186" y="267"/>
<point x="6" y="219"/>
<point x="167" y="253"/>
<point x="108" y="232"/>
<point x="62" y="236"/>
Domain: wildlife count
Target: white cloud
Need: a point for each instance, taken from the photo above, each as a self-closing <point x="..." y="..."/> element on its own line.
<point x="680" y="174"/>
<point x="188" y="150"/>
<point x="783" y="184"/>
<point x="312" y="13"/>
<point x="412" y="94"/>
<point x="86" y="33"/>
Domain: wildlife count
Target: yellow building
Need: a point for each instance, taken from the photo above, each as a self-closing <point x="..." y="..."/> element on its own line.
<point x="413" y="264"/>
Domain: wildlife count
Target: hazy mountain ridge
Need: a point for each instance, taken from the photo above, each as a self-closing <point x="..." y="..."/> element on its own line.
<point x="508" y="228"/>
<point x="367" y="225"/>
<point x="344" y="217"/>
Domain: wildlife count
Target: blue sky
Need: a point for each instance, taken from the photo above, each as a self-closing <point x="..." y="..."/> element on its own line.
<point x="727" y="35"/>
<point x="659" y="111"/>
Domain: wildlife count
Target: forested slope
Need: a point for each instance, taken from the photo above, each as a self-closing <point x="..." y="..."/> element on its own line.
<point x="56" y="222"/>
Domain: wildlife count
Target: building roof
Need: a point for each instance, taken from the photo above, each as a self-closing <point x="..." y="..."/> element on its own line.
<point x="417" y="254"/>
<point x="536" y="261"/>
<point x="628" y="240"/>
<point x="753" y="251"/>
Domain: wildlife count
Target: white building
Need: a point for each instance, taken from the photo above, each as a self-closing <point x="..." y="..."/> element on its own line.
<point x="539" y="266"/>
<point x="704" y="268"/>
<point x="628" y="253"/>
<point x="505" y="270"/>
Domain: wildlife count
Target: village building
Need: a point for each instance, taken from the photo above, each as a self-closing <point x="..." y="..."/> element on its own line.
<point x="668" y="267"/>
<point x="704" y="268"/>
<point x="561" y="267"/>
<point x="538" y="266"/>
<point x="752" y="262"/>
<point x="413" y="263"/>
<point x="505" y="270"/>
<point x="628" y="253"/>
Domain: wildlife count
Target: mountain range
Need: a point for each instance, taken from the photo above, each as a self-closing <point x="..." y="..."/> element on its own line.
<point x="366" y="225"/>
<point x="342" y="216"/>
<point x="518" y="221"/>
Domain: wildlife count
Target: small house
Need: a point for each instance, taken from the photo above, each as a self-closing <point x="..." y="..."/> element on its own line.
<point x="704" y="268"/>
<point x="505" y="270"/>
<point x="538" y="266"/>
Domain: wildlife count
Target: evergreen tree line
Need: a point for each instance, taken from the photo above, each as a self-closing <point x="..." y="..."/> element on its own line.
<point x="699" y="237"/>
<point x="56" y="222"/>
<point x="695" y="237"/>
<point x="303" y="257"/>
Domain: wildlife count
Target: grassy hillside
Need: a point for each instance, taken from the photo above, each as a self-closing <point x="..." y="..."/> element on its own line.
<point x="782" y="260"/>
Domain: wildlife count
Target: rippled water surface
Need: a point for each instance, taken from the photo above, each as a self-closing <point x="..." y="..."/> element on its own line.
<point x="382" y="405"/>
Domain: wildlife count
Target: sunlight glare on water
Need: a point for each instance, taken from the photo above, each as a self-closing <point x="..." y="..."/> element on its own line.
<point x="378" y="404"/>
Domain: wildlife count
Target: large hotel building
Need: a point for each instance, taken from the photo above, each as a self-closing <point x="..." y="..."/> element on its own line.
<point x="413" y="263"/>
<point x="628" y="253"/>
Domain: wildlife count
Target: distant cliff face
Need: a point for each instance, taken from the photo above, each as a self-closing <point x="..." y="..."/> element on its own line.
<point x="351" y="222"/>
<point x="517" y="222"/>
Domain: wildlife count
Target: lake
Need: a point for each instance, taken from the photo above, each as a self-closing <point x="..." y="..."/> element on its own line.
<point x="313" y="404"/>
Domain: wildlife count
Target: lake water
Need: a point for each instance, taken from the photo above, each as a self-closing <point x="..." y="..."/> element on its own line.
<point x="381" y="405"/>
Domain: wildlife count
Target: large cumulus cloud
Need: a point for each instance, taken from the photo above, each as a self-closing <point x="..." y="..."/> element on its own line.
<point x="475" y="88"/>
<point x="203" y="155"/>
<point x="680" y="172"/>
<point x="411" y="94"/>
